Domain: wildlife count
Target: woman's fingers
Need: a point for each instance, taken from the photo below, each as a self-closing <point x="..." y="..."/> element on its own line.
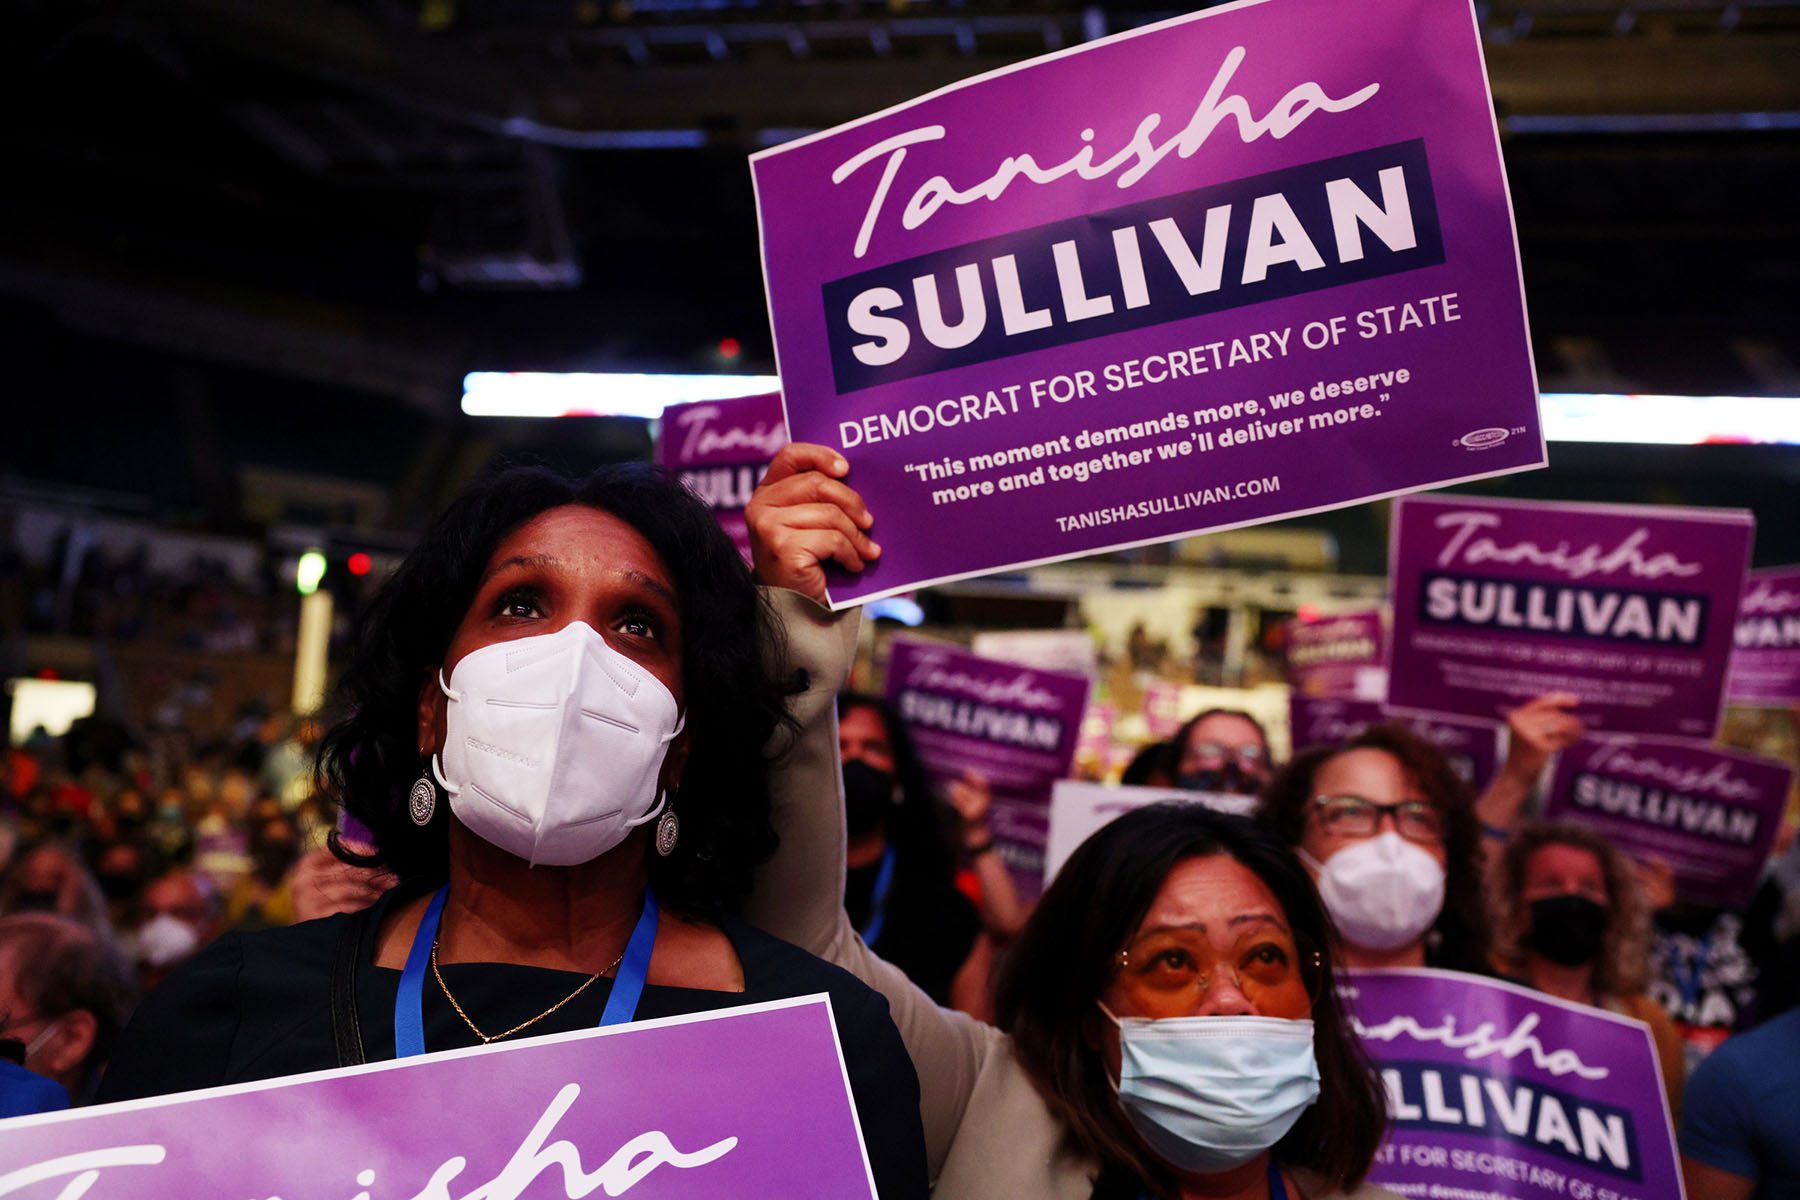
<point x="796" y="457"/>
<point x="830" y="516"/>
<point x="811" y="487"/>
<point x="804" y="515"/>
<point x="806" y="549"/>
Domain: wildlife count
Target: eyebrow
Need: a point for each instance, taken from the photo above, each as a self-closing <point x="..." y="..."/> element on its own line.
<point x="648" y="582"/>
<point x="520" y="560"/>
<point x="656" y="586"/>
<point x="1248" y="918"/>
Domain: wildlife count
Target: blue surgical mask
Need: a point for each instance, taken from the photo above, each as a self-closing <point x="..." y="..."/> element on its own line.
<point x="1211" y="1093"/>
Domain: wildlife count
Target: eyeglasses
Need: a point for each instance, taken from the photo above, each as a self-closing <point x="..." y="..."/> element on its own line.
<point x="1250" y="755"/>
<point x="1353" y="816"/>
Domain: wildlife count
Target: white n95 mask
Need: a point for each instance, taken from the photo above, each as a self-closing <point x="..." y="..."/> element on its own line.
<point x="1383" y="892"/>
<point x="1211" y="1093"/>
<point x="553" y="745"/>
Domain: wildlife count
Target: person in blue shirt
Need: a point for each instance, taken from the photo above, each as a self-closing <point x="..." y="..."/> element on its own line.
<point x="1740" y="1123"/>
<point x="25" y="1092"/>
<point x="65" y="992"/>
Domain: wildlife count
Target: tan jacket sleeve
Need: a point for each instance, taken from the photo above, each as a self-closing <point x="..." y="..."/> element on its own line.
<point x="799" y="893"/>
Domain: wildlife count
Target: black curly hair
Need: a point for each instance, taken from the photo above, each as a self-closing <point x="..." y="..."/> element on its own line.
<point x="730" y="650"/>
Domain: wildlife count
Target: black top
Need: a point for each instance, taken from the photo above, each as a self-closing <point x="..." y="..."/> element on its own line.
<point x="929" y="929"/>
<point x="257" y="1006"/>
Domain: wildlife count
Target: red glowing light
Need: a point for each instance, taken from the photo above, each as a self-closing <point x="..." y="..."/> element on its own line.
<point x="359" y="563"/>
<point x="730" y="347"/>
<point x="1309" y="612"/>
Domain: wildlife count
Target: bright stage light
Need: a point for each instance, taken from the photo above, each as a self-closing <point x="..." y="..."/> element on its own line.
<point x="1568" y="416"/>
<point x="589" y="394"/>
<point x="1672" y="420"/>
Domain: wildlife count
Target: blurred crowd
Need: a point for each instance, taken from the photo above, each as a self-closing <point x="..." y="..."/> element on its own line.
<point x="145" y="850"/>
<point x="122" y="857"/>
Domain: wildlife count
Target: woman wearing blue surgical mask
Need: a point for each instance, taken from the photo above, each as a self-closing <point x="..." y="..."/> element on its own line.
<point x="1165" y="1026"/>
<point x="554" y="730"/>
<point x="1389" y="832"/>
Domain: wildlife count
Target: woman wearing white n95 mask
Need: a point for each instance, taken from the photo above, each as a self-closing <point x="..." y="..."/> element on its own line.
<point x="555" y="729"/>
<point x="1165" y="1028"/>
<point x="1389" y="832"/>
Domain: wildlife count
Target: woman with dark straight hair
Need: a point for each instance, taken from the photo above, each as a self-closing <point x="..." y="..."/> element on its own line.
<point x="1167" y="1027"/>
<point x="555" y="730"/>
<point x="1095" y="923"/>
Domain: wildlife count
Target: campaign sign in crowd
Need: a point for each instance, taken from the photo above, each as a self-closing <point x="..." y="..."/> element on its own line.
<point x="1218" y="245"/>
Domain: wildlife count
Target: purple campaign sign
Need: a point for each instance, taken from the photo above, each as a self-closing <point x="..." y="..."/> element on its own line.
<point x="1631" y="608"/>
<point x="672" y="1109"/>
<point x="1242" y="264"/>
<point x="1472" y="747"/>
<point x="719" y="450"/>
<point x="1015" y="726"/>
<point x="1711" y="814"/>
<point x="1496" y="1090"/>
<point x="1765" y="663"/>
<point x="1330" y="655"/>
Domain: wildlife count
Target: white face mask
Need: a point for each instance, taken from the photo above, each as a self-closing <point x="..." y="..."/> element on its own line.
<point x="164" y="940"/>
<point x="553" y="745"/>
<point x="1384" y="892"/>
<point x="1211" y="1093"/>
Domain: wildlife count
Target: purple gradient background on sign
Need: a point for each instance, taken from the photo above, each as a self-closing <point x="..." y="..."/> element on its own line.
<point x="1708" y="870"/>
<point x="1334" y="676"/>
<point x="741" y="431"/>
<point x="1767" y="676"/>
<point x="1622" y="1047"/>
<point x="1718" y="540"/>
<point x="1020" y="777"/>
<point x="1470" y="745"/>
<point x="698" y="1082"/>
<point x="1467" y="376"/>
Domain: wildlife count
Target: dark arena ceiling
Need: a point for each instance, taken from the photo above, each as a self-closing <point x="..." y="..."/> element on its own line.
<point x="286" y="229"/>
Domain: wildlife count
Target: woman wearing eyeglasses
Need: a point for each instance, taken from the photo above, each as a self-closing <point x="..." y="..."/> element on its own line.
<point x="1220" y="750"/>
<point x="1165" y="1027"/>
<point x="1389" y="832"/>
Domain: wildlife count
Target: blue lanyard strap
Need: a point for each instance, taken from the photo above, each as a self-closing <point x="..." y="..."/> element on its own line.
<point x="634" y="968"/>
<point x="409" y="1000"/>
<point x="878" y="899"/>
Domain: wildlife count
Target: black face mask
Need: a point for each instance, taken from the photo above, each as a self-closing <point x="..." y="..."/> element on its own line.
<point x="868" y="797"/>
<point x="1567" y="930"/>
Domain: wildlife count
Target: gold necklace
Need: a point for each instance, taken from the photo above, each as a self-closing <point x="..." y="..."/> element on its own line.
<point x="487" y="1038"/>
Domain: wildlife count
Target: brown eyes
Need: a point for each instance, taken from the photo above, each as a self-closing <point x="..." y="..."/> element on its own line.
<point x="1267" y="963"/>
<point x="527" y="604"/>
<point x="519" y="604"/>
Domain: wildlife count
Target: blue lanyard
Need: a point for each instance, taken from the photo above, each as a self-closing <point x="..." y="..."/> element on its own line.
<point x="409" y="1001"/>
<point x="878" y="899"/>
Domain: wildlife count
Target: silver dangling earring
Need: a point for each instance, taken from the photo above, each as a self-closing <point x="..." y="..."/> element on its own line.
<point x="668" y="832"/>
<point x="421" y="802"/>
